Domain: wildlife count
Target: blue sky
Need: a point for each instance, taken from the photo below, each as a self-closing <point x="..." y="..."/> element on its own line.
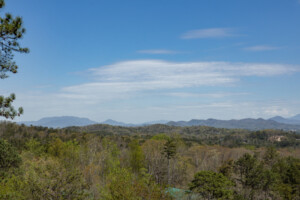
<point x="137" y="61"/>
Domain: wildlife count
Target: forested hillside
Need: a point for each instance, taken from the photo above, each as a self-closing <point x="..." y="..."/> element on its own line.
<point x="201" y="134"/>
<point x="153" y="162"/>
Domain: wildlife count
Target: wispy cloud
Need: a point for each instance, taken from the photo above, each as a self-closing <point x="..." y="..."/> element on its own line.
<point x="204" y="95"/>
<point x="209" y="33"/>
<point x="131" y="88"/>
<point x="158" y="51"/>
<point x="275" y="110"/>
<point x="124" y="79"/>
<point x="261" y="48"/>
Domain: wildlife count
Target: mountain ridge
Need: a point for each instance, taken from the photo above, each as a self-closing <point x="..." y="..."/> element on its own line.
<point x="60" y="122"/>
<point x="276" y="122"/>
<point x="290" y="120"/>
<point x="247" y="123"/>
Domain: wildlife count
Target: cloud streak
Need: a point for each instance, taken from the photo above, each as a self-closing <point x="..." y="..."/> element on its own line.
<point x="127" y="78"/>
<point x="261" y="48"/>
<point x="162" y="89"/>
<point x="157" y="51"/>
<point x="204" y="95"/>
<point x="56" y="105"/>
<point x="209" y="33"/>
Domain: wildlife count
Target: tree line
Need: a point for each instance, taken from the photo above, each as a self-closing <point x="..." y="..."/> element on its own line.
<point x="42" y="163"/>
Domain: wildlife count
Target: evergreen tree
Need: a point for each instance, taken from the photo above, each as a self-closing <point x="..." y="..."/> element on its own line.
<point x="170" y="152"/>
<point x="9" y="157"/>
<point x="271" y="156"/>
<point x="288" y="170"/>
<point x="11" y="31"/>
<point x="250" y="174"/>
<point x="212" y="185"/>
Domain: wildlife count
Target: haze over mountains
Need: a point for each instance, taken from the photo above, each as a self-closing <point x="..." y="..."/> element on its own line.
<point x="60" y="122"/>
<point x="65" y="121"/>
<point x="292" y="120"/>
<point x="250" y="124"/>
<point x="278" y="122"/>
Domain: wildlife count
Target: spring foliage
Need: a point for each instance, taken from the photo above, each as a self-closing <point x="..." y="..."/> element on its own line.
<point x="42" y="163"/>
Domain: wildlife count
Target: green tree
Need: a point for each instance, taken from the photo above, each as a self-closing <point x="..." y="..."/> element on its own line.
<point x="67" y="151"/>
<point x="9" y="157"/>
<point x="212" y="185"/>
<point x="288" y="170"/>
<point x="268" y="183"/>
<point x="271" y="156"/>
<point x="250" y="174"/>
<point x="49" y="179"/>
<point x="120" y="186"/>
<point x="35" y="147"/>
<point x="10" y="188"/>
<point x="136" y="156"/>
<point x="11" y="31"/>
<point x="169" y="152"/>
<point x="123" y="184"/>
<point x="227" y="168"/>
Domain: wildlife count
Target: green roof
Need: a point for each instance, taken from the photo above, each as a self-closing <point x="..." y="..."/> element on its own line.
<point x="180" y="194"/>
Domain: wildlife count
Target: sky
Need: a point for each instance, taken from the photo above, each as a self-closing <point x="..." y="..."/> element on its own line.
<point x="137" y="61"/>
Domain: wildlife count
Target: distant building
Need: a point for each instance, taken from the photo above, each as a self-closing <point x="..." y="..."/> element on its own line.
<point x="276" y="138"/>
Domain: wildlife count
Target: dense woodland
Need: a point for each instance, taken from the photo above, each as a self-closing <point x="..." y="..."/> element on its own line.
<point x="152" y="162"/>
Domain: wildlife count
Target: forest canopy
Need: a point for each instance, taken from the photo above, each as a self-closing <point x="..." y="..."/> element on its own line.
<point x="38" y="162"/>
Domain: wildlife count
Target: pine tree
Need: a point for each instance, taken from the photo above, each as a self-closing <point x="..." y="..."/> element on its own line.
<point x="11" y="31"/>
<point x="170" y="152"/>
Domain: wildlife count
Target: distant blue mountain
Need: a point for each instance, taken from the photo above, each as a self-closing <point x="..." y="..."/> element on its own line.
<point x="60" y="122"/>
<point x="250" y="124"/>
<point x="65" y="121"/>
<point x="155" y="122"/>
<point x="116" y="123"/>
<point x="291" y="120"/>
<point x="277" y="122"/>
<point x="296" y="117"/>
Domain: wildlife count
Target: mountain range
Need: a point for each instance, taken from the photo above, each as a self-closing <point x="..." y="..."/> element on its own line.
<point x="60" y="122"/>
<point x="278" y="122"/>
<point x="250" y="124"/>
<point x="66" y="121"/>
<point x="290" y="120"/>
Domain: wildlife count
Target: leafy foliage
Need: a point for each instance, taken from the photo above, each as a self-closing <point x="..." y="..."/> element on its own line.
<point x="136" y="166"/>
<point x="9" y="157"/>
<point x="48" y="179"/>
<point x="136" y="156"/>
<point x="11" y="31"/>
<point x="212" y="185"/>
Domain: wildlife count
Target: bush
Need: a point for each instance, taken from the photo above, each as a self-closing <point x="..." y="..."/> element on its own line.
<point x="9" y="157"/>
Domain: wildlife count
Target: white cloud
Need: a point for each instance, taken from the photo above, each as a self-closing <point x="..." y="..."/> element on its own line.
<point x="209" y="33"/>
<point x="276" y="111"/>
<point x="158" y="51"/>
<point x="127" y="90"/>
<point x="122" y="79"/>
<point x="40" y="105"/>
<point x="204" y="95"/>
<point x="261" y="48"/>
